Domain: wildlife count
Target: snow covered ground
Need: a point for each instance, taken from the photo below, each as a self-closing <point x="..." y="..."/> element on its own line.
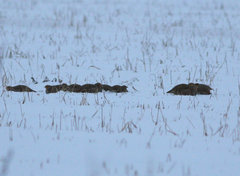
<point x="150" y="46"/>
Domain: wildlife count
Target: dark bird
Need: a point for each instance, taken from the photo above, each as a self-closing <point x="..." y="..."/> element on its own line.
<point x="63" y="87"/>
<point x="74" y="88"/>
<point x="119" y="89"/>
<point x="19" y="88"/>
<point x="98" y="87"/>
<point x="203" y="89"/>
<point x="51" y="89"/>
<point x="91" y="88"/>
<point x="56" y="88"/>
<point x="181" y="89"/>
<point x="191" y="89"/>
<point x="106" y="87"/>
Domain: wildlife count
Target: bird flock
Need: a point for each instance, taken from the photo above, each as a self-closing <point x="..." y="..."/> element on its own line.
<point x="76" y="88"/>
<point x="191" y="89"/>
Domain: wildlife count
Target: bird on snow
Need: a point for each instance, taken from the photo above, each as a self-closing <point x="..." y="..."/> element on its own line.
<point x="19" y="88"/>
<point x="191" y="89"/>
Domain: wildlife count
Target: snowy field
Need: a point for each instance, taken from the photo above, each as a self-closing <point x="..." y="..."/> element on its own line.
<point x="150" y="46"/>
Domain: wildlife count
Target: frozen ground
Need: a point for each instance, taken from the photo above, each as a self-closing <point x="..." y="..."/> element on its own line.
<point x="147" y="45"/>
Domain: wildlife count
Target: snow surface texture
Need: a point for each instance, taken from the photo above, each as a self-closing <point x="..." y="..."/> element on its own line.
<point x="147" y="45"/>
